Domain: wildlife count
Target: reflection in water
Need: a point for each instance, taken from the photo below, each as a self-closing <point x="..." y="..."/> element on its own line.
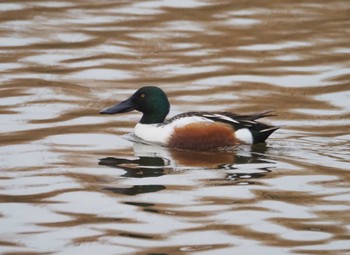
<point x="154" y="161"/>
<point x="62" y="61"/>
<point x="155" y="157"/>
<point x="136" y="168"/>
<point x="134" y="190"/>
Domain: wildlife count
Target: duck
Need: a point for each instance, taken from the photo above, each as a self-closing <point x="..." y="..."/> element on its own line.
<point x="194" y="130"/>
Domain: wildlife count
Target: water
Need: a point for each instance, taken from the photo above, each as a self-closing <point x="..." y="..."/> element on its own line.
<point x="70" y="183"/>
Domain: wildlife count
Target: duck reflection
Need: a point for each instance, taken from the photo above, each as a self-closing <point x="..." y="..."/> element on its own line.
<point x="153" y="160"/>
<point x="137" y="168"/>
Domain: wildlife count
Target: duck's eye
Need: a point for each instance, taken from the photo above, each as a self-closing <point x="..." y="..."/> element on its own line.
<point x="142" y="95"/>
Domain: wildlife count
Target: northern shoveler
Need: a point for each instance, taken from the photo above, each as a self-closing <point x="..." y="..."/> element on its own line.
<point x="191" y="130"/>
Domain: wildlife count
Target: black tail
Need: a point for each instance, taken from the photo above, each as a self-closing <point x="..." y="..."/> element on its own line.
<point x="261" y="132"/>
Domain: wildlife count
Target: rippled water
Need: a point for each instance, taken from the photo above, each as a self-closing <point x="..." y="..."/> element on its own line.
<point x="70" y="183"/>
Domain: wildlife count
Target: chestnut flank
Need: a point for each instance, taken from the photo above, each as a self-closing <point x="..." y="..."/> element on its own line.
<point x="202" y="136"/>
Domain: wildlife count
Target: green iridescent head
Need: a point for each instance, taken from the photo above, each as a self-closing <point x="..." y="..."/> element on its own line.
<point x="150" y="100"/>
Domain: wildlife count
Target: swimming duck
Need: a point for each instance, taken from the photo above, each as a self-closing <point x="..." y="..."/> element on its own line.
<point x="191" y="130"/>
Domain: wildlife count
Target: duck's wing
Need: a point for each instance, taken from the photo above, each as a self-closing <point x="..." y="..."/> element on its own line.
<point x="260" y="131"/>
<point x="229" y="116"/>
<point x="225" y="117"/>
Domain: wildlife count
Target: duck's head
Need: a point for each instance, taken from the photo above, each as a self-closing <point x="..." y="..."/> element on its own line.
<point x="150" y="100"/>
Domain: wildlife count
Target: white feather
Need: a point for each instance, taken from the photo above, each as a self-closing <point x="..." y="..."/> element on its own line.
<point x="249" y="121"/>
<point x="223" y="117"/>
<point x="267" y="129"/>
<point x="244" y="135"/>
<point x="160" y="134"/>
<point x="209" y="115"/>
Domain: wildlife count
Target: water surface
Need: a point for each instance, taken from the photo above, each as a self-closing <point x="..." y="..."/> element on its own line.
<point x="70" y="183"/>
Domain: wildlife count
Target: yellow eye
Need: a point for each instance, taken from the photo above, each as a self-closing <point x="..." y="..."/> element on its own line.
<point x="142" y="95"/>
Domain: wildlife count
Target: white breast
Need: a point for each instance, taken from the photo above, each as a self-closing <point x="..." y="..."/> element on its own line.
<point x="160" y="134"/>
<point x="152" y="133"/>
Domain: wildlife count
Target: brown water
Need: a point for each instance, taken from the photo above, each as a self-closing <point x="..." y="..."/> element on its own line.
<point x="70" y="183"/>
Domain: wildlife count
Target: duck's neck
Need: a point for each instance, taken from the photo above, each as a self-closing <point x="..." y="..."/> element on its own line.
<point x="153" y="118"/>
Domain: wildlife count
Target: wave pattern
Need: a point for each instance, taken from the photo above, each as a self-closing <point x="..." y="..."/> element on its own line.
<point x="70" y="183"/>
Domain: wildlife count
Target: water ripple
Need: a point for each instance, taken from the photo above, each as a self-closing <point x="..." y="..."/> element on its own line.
<point x="72" y="183"/>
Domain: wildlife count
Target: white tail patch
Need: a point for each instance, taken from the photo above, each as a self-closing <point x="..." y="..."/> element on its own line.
<point x="244" y="136"/>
